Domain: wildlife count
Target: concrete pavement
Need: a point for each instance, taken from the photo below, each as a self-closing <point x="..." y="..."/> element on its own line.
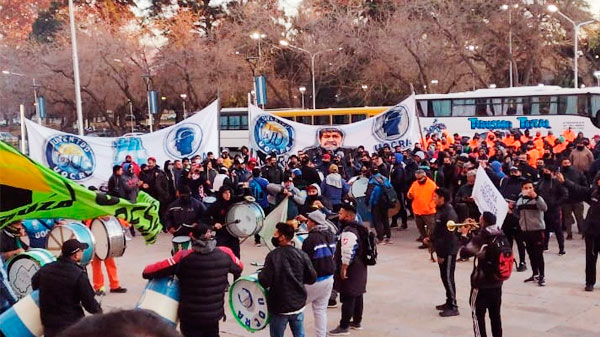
<point x="404" y="287"/>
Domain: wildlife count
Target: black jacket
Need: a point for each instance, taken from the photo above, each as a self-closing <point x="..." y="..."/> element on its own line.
<point x="480" y="277"/>
<point x="181" y="215"/>
<point x="554" y="193"/>
<point x="310" y="175"/>
<point x="273" y="174"/>
<point x="287" y="269"/>
<point x="578" y="178"/>
<point x="354" y="236"/>
<point x="64" y="287"/>
<point x="591" y="224"/>
<point x="398" y="179"/>
<point x="202" y="273"/>
<point x="445" y="242"/>
<point x="320" y="247"/>
<point x="116" y="186"/>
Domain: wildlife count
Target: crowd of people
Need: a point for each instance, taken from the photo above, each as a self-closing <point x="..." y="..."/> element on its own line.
<point x="545" y="179"/>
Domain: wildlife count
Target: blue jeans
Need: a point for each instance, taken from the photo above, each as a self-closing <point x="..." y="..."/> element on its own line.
<point x="278" y="323"/>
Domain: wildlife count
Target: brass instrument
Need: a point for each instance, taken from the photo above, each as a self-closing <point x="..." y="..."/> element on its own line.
<point x="452" y="226"/>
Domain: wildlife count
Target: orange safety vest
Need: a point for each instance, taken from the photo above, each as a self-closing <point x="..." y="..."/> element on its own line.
<point x="558" y="148"/>
<point x="473" y="144"/>
<point x="550" y="139"/>
<point x="534" y="154"/>
<point x="569" y="135"/>
<point x="524" y="139"/>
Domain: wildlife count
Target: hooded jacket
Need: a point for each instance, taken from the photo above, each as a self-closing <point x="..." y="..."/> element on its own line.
<point x="334" y="188"/>
<point x="591" y="224"/>
<point x="531" y="213"/>
<point x="350" y="251"/>
<point x="480" y="278"/>
<point x="202" y="273"/>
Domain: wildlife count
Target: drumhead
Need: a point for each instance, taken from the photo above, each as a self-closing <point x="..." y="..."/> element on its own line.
<point x="110" y="240"/>
<point x="248" y="302"/>
<point x="250" y="216"/>
<point x="181" y="239"/>
<point x="100" y="233"/>
<point x="209" y="200"/>
<point x="22" y="268"/>
<point x="359" y="187"/>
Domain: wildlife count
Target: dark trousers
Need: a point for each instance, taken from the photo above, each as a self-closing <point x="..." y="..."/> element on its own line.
<point x="552" y="220"/>
<point x="534" y="243"/>
<point x="352" y="308"/>
<point x="513" y="233"/>
<point x="193" y="329"/>
<point x="381" y="222"/>
<point x="482" y="300"/>
<point x="447" y="276"/>
<point x="570" y="210"/>
<point x="592" y="248"/>
<point x="402" y="214"/>
<point x="52" y="331"/>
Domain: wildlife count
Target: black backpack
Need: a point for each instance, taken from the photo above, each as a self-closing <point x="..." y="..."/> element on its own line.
<point x="388" y="198"/>
<point x="369" y="242"/>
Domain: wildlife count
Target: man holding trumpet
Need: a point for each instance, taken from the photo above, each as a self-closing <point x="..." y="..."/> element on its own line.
<point x="445" y="244"/>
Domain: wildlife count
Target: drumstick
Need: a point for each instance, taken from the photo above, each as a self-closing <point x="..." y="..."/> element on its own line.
<point x="227" y="224"/>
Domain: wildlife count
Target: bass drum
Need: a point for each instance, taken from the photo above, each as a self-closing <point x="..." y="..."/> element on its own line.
<point x="359" y="187"/>
<point x="249" y="217"/>
<point x="23" y="319"/>
<point x="248" y="303"/>
<point x="72" y="230"/>
<point x="22" y="267"/>
<point x="110" y="240"/>
<point x="162" y="296"/>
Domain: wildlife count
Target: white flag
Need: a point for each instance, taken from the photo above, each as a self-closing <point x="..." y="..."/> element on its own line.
<point x="488" y="198"/>
<point x="279" y="214"/>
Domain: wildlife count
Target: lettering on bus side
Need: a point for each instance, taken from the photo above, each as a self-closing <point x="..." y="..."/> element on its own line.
<point x="526" y="123"/>
<point x="499" y="124"/>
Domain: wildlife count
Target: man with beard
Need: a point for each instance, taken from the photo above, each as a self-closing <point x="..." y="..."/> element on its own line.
<point x="510" y="188"/>
<point x="555" y="195"/>
<point x="330" y="140"/>
<point x="272" y="172"/>
<point x="573" y="205"/>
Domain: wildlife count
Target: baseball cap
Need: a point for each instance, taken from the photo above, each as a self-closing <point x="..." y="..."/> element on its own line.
<point x="72" y="246"/>
<point x="514" y="168"/>
<point x="420" y="154"/>
<point x="318" y="217"/>
<point x="349" y="205"/>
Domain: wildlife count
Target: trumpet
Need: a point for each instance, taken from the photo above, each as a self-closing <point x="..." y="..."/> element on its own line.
<point x="452" y="226"/>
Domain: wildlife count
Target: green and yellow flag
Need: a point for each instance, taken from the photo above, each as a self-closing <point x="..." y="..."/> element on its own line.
<point x="29" y="190"/>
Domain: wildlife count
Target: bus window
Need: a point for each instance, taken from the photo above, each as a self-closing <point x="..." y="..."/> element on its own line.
<point x="422" y="108"/>
<point x="582" y="106"/>
<point x="304" y="119"/>
<point x="323" y="120"/>
<point x="526" y="105"/>
<point x="481" y="109"/>
<point x="359" y="117"/>
<point x="224" y="123"/>
<point x="535" y="105"/>
<point x="567" y="105"/>
<point x="234" y="122"/>
<point x="244" y="125"/>
<point x="595" y="106"/>
<point x="547" y="105"/>
<point x="341" y="119"/>
<point x="496" y="106"/>
<point x="463" y="107"/>
<point x="441" y="108"/>
<point x="510" y="106"/>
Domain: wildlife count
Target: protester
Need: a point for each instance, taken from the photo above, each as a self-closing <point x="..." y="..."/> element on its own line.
<point x="555" y="195"/>
<point x="64" y="287"/>
<point x="287" y="269"/>
<point x="217" y="214"/>
<point x="11" y="243"/>
<point x="202" y="272"/>
<point x="421" y="193"/>
<point x="184" y="214"/>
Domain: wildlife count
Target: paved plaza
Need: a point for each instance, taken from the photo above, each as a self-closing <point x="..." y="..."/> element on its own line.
<point x="404" y="287"/>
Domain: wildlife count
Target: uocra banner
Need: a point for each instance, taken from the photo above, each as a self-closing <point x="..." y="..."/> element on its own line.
<point x="397" y="126"/>
<point x="89" y="160"/>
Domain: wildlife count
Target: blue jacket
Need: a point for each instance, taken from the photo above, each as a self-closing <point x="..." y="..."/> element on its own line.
<point x="376" y="187"/>
<point x="332" y="193"/>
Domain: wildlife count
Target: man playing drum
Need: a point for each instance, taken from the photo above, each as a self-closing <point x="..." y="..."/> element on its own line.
<point x="10" y="240"/>
<point x="202" y="273"/>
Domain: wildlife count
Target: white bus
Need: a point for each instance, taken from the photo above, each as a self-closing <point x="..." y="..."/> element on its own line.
<point x="539" y="108"/>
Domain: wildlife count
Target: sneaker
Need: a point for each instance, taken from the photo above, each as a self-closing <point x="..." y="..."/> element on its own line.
<point x="119" y="290"/>
<point x="541" y="281"/>
<point x="569" y="236"/>
<point x="404" y="227"/>
<point x="257" y="244"/>
<point x="355" y="326"/>
<point x="441" y="307"/>
<point x="100" y="292"/>
<point x="394" y="225"/>
<point x="339" y="332"/>
<point x="589" y="287"/>
<point x="387" y="241"/>
<point x="561" y="253"/>
<point x="531" y="279"/>
<point x="332" y="304"/>
<point x="522" y="267"/>
<point x="449" y="312"/>
<point x="423" y="246"/>
<point x="420" y="239"/>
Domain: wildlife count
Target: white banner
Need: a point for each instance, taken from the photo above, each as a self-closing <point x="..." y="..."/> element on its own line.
<point x="89" y="160"/>
<point x="488" y="198"/>
<point x="396" y="127"/>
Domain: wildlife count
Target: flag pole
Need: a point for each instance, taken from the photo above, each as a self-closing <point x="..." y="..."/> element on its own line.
<point x="412" y="89"/>
<point x="22" y="114"/>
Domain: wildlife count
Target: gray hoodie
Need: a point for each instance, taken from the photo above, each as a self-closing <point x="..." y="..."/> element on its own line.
<point x="531" y="213"/>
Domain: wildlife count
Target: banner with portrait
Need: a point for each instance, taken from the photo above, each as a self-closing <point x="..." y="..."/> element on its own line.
<point x="89" y="160"/>
<point x="397" y="126"/>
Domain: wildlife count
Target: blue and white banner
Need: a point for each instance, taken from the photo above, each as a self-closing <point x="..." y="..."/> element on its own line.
<point x="395" y="127"/>
<point x="89" y="160"/>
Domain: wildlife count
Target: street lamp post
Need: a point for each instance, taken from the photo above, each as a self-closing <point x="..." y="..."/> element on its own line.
<point x="258" y="36"/>
<point x="131" y="118"/>
<point x="510" y="64"/>
<point x="597" y="76"/>
<point x="576" y="27"/>
<point x="36" y="88"/>
<point x="302" y="90"/>
<point x="148" y="80"/>
<point x="312" y="65"/>
<point x="364" y="87"/>
<point x="184" y="97"/>
<point x="76" y="69"/>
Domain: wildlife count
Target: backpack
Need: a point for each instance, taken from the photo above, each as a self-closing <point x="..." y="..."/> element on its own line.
<point x="388" y="198"/>
<point x="499" y="258"/>
<point x="369" y="242"/>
